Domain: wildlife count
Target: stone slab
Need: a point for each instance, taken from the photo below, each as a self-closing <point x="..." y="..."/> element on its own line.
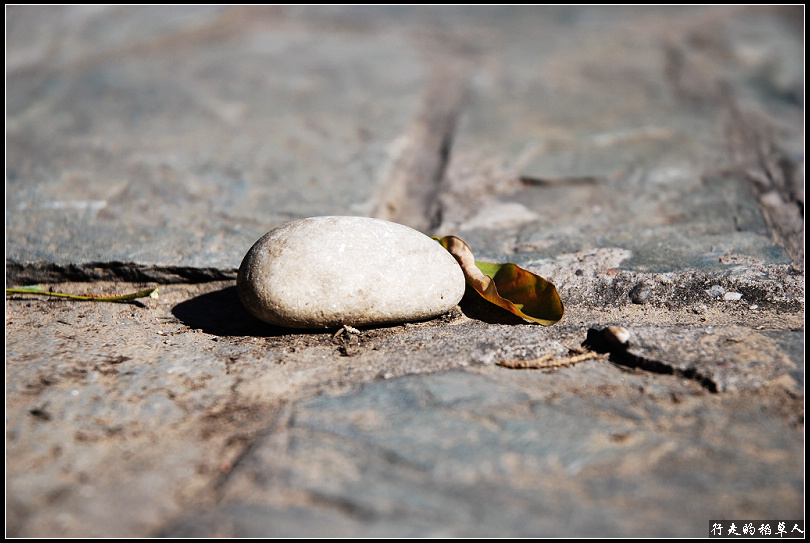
<point x="177" y="137"/>
<point x="501" y="454"/>
<point x="645" y="130"/>
<point x="138" y="419"/>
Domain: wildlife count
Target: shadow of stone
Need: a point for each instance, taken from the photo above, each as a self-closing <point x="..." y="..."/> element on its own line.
<point x="475" y="307"/>
<point x="221" y="313"/>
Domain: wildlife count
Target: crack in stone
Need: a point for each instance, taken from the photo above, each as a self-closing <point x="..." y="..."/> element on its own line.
<point x="602" y="341"/>
<point x="18" y="273"/>
<point x="272" y="436"/>
<point x="416" y="169"/>
<point x="757" y="157"/>
<point x="780" y="188"/>
<point x="343" y="505"/>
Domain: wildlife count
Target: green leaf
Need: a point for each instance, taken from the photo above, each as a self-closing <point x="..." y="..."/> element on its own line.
<point x="32" y="288"/>
<point x="509" y="286"/>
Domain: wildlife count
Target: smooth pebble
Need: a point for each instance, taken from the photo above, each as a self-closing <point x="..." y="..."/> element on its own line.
<point x="325" y="272"/>
<point x="640" y="294"/>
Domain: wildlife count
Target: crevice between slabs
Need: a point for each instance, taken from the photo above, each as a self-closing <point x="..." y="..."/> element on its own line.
<point x="420" y="155"/>
<point x="18" y="273"/>
<point x="604" y="341"/>
<point x="777" y="179"/>
<point x="755" y="152"/>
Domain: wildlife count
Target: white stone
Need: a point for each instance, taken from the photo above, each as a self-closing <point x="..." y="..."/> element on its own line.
<point x="716" y="291"/>
<point x="325" y="272"/>
<point x="732" y="296"/>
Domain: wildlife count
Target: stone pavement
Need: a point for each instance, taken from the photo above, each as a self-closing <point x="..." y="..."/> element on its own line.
<point x="649" y="162"/>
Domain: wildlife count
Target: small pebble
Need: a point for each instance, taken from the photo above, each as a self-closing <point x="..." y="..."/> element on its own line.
<point x="618" y="334"/>
<point x="666" y="278"/>
<point x="640" y="294"/>
<point x="716" y="291"/>
<point x="732" y="296"/>
<point x="325" y="272"/>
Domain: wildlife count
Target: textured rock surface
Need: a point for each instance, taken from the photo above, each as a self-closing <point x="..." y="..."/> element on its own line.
<point x="629" y="155"/>
<point x="188" y="415"/>
<point x="163" y="148"/>
<point x="487" y="453"/>
<point x="328" y="271"/>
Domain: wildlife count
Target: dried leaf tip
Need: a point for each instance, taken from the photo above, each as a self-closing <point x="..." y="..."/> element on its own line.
<point x="509" y="286"/>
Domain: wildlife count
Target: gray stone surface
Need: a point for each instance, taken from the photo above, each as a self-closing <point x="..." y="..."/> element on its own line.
<point x="179" y="136"/>
<point x="500" y="454"/>
<point x="648" y="161"/>
<point x="188" y="416"/>
<point x="645" y="134"/>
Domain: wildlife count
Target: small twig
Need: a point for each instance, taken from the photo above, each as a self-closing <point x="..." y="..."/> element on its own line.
<point x="347" y="329"/>
<point x="546" y="361"/>
<point x="150" y="292"/>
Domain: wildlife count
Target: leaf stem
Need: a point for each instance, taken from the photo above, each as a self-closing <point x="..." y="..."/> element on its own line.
<point x="150" y="292"/>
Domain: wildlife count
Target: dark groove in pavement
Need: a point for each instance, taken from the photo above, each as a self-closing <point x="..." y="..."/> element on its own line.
<point x="601" y="341"/>
<point x="46" y="272"/>
<point x="414" y="179"/>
